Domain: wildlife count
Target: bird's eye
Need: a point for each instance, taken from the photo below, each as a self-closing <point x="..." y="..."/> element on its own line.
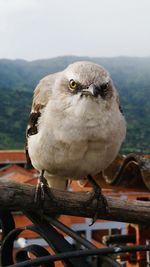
<point x="104" y="86"/>
<point x="72" y="84"/>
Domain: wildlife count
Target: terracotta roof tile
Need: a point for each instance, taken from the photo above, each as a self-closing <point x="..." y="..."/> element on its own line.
<point x="19" y="174"/>
<point x="10" y="156"/>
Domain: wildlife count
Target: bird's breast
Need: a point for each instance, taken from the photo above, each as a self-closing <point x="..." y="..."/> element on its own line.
<point x="75" y="146"/>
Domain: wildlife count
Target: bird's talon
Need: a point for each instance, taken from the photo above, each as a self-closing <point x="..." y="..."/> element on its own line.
<point x="41" y="188"/>
<point x="42" y="191"/>
<point x="39" y="193"/>
<point x="97" y="197"/>
<point x="94" y="219"/>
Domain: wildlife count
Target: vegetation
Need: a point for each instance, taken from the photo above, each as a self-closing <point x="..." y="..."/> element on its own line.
<point x="18" y="78"/>
<point x="14" y="111"/>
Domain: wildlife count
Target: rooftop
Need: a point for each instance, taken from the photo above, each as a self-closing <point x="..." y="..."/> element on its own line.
<point x="12" y="156"/>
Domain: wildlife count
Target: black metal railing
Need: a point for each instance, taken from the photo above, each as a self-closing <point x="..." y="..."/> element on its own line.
<point x="48" y="228"/>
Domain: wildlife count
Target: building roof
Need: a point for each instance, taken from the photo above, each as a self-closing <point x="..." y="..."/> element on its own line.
<point x="12" y="156"/>
<point x="131" y="171"/>
<point x="18" y="174"/>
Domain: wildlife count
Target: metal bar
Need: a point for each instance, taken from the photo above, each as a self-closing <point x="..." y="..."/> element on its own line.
<point x="70" y="232"/>
<point x="80" y="239"/>
<point x="55" y="239"/>
<point x="81" y="253"/>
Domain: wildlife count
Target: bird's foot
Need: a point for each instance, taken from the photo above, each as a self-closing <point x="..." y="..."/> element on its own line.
<point x="97" y="197"/>
<point x="41" y="189"/>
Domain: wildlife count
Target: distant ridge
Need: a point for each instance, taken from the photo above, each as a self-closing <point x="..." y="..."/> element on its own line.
<point x="24" y="75"/>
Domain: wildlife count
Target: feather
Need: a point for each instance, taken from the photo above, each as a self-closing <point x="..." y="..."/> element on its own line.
<point x="31" y="130"/>
<point x="40" y="100"/>
<point x="41" y="97"/>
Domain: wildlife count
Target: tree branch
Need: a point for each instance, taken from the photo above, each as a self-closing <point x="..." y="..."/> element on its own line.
<point x="15" y="197"/>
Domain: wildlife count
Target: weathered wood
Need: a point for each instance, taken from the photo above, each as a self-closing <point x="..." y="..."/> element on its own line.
<point x="16" y="197"/>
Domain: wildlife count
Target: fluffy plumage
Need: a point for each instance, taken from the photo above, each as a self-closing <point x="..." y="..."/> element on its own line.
<point x="76" y="126"/>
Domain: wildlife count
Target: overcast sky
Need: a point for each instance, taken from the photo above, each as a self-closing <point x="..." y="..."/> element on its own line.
<point x="33" y="29"/>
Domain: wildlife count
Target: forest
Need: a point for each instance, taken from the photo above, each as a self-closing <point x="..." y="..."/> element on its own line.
<point x="18" y="79"/>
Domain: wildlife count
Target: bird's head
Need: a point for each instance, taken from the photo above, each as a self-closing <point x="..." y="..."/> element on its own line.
<point x="86" y="80"/>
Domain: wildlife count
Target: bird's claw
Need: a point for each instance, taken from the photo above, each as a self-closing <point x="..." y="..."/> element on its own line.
<point x="39" y="193"/>
<point x="97" y="197"/>
<point x="41" y="189"/>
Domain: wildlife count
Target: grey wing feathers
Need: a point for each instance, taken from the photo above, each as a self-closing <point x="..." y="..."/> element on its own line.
<point x="40" y="99"/>
<point x="31" y="130"/>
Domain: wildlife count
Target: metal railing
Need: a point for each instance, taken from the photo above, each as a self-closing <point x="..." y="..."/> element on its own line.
<point x="49" y="229"/>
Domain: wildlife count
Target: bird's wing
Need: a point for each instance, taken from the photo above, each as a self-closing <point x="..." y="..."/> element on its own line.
<point x="42" y="94"/>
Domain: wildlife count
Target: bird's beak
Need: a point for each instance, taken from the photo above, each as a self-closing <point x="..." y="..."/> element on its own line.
<point x="91" y="90"/>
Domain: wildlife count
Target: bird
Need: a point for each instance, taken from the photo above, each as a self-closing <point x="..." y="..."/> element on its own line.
<point x="76" y="125"/>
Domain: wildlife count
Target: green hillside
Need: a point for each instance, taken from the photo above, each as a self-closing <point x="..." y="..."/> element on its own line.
<point x="18" y="78"/>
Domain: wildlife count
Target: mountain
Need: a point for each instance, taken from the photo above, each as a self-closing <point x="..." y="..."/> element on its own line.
<point x="18" y="78"/>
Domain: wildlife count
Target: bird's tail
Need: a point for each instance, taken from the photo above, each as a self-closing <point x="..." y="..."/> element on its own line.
<point x="56" y="181"/>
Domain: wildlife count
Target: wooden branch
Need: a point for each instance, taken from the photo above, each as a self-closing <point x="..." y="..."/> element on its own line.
<point x="15" y="197"/>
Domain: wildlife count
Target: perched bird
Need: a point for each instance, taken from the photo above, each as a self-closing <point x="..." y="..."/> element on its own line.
<point x="76" y="125"/>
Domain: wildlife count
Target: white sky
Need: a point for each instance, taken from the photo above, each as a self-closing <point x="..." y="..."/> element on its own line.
<point x="33" y="29"/>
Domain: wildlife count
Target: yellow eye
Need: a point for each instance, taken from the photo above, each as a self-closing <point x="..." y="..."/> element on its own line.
<point x="72" y="84"/>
